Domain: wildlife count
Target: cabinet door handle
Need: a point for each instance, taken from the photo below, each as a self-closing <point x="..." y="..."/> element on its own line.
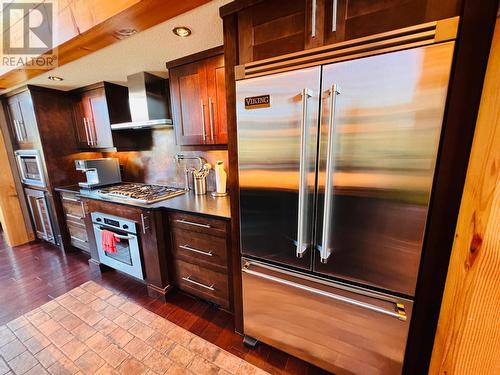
<point x="313" y="18"/>
<point x="203" y="130"/>
<point x="144" y="227"/>
<point x="189" y="280"/>
<point x="16" y="128"/>
<point x="24" y="133"/>
<point x="87" y="132"/>
<point x="74" y="216"/>
<point x="182" y="221"/>
<point x="70" y="199"/>
<point x="78" y="239"/>
<point x="211" y="115"/>
<point x="93" y="131"/>
<point x="334" y="16"/>
<point x="189" y="248"/>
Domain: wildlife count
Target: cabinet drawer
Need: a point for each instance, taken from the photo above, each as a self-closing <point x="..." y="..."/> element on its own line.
<point x="72" y="207"/>
<point x="202" y="282"/>
<point x="78" y="235"/>
<point x="200" y="248"/>
<point x="201" y="224"/>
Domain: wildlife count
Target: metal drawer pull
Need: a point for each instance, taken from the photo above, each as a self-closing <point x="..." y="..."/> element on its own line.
<point x="182" y="221"/>
<point x="399" y="309"/>
<point x="187" y="247"/>
<point x="70" y="199"/>
<point x="188" y="279"/>
<point x="74" y="216"/>
<point x="78" y="239"/>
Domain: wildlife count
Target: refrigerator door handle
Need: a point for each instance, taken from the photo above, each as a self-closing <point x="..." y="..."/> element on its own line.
<point x="302" y="243"/>
<point x="399" y="311"/>
<point x="325" y="249"/>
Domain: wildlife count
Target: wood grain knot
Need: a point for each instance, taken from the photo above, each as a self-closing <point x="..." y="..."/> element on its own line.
<point x="475" y="245"/>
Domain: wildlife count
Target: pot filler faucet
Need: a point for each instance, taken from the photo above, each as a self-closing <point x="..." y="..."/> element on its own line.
<point x="201" y="162"/>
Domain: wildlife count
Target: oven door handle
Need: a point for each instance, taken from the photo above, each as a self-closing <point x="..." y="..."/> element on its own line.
<point x="99" y="229"/>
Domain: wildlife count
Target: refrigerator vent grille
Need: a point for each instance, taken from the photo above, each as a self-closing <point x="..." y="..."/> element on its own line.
<point x="409" y="37"/>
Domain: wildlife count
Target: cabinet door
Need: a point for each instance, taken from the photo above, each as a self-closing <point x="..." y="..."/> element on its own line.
<point x="15" y="119"/>
<point x="358" y="18"/>
<point x="272" y="28"/>
<point x="216" y="88"/>
<point x="99" y="119"/>
<point x="188" y="85"/>
<point x="23" y="120"/>
<point x="80" y="124"/>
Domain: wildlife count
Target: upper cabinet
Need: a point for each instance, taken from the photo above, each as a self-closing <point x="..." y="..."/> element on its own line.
<point x="22" y="120"/>
<point x="273" y="27"/>
<point x="197" y="91"/>
<point x="95" y="108"/>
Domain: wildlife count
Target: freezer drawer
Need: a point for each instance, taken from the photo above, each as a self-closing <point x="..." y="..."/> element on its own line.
<point x="336" y="327"/>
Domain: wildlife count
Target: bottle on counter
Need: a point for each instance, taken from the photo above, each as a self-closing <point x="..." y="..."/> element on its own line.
<point x="220" y="179"/>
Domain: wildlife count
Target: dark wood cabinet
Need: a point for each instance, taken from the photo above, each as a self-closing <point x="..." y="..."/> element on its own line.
<point x="272" y="28"/>
<point x="93" y="116"/>
<point x="74" y="215"/>
<point x="200" y="258"/>
<point x="197" y="90"/>
<point x="23" y="120"/>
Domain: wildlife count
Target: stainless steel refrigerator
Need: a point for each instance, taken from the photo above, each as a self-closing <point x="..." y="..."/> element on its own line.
<point x="336" y="166"/>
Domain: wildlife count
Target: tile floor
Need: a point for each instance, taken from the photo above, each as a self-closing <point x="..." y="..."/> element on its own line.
<point x="92" y="330"/>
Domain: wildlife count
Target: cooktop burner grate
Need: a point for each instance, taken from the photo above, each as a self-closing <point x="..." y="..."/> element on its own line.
<point x="142" y="193"/>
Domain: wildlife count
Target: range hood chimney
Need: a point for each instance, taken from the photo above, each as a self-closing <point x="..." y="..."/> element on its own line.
<point x="149" y="102"/>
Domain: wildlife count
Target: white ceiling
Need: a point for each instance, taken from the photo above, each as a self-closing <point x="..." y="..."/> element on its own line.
<point x="145" y="51"/>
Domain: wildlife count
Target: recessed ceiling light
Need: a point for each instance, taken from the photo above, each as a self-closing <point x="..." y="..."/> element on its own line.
<point x="55" y="78"/>
<point x="126" y="32"/>
<point x="182" y="31"/>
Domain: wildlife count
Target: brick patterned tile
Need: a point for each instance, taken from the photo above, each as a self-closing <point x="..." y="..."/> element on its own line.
<point x="49" y="327"/>
<point x="120" y="337"/>
<point x="74" y="349"/>
<point x="107" y="370"/>
<point x="37" y="370"/>
<point x="70" y="302"/>
<point x="180" y="355"/>
<point x="89" y="362"/>
<point x="105" y="326"/>
<point x="111" y="312"/>
<point x="37" y="317"/>
<point x="83" y="332"/>
<point x="3" y="367"/>
<point x="49" y="306"/>
<point x="70" y="322"/>
<point x="125" y="321"/>
<point x="204" y="348"/>
<point x="37" y="343"/>
<point x="114" y="356"/>
<point x="180" y="336"/>
<point x="77" y="291"/>
<point x="138" y="348"/>
<point x="157" y="362"/>
<point x="104" y="293"/>
<point x="228" y="362"/>
<point x="12" y="350"/>
<point x="49" y="356"/>
<point x="117" y="301"/>
<point x="98" y="305"/>
<point x="86" y="297"/>
<point x="129" y="308"/>
<point x="63" y="366"/>
<point x="162" y="325"/>
<point x="160" y="342"/>
<point x="91" y="317"/>
<point x="60" y="337"/>
<point x="23" y="363"/>
<point x="200" y="365"/>
<point x="132" y="366"/>
<point x="98" y="342"/>
<point x="145" y="316"/>
<point x="26" y="332"/>
<point x="6" y="336"/>
<point x="141" y="331"/>
<point x="17" y="323"/>
<point x="58" y="313"/>
<point x="178" y="370"/>
<point x="249" y="369"/>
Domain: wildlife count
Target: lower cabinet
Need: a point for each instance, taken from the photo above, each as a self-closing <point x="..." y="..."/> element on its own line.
<point x="74" y="215"/>
<point x="200" y="257"/>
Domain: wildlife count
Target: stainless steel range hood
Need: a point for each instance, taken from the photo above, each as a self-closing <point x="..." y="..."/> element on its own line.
<point x="149" y="102"/>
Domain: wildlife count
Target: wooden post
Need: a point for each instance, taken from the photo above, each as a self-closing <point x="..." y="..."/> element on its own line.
<point x="468" y="336"/>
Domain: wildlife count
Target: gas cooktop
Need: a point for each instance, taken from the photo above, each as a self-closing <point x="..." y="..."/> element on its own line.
<point x="140" y="193"/>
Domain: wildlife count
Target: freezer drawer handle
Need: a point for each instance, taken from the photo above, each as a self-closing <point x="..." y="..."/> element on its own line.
<point x="399" y="309"/>
<point x="325" y="249"/>
<point x="189" y="248"/>
<point x="189" y="280"/>
<point x="302" y="227"/>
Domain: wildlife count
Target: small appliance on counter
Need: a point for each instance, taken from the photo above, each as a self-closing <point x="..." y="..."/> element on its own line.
<point x="99" y="172"/>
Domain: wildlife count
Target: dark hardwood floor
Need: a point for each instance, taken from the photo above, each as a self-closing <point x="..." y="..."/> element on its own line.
<point x="33" y="274"/>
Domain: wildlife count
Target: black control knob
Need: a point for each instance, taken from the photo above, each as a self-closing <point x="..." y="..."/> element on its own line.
<point x="98" y="219"/>
<point x="125" y="226"/>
